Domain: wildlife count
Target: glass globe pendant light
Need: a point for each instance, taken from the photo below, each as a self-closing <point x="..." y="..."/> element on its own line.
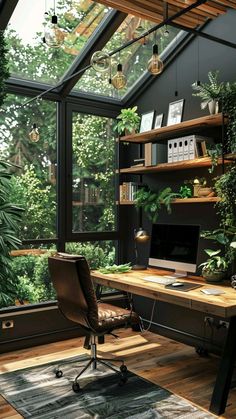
<point x="119" y="80"/>
<point x="34" y="134"/>
<point x="53" y="36"/>
<point x="155" y="65"/>
<point x="100" y="61"/>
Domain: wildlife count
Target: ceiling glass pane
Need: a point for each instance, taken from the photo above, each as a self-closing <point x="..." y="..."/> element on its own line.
<point x="32" y="59"/>
<point x="133" y="58"/>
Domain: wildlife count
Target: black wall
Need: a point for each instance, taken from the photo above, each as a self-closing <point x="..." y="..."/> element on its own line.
<point x="180" y="75"/>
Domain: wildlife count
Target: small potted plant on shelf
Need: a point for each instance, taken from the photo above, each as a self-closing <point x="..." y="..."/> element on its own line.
<point x="210" y="93"/>
<point x="128" y="121"/>
<point x="214" y="269"/>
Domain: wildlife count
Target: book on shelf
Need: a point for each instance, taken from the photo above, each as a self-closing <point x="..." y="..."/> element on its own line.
<point x="155" y="154"/>
<point x="137" y="165"/>
<point x="128" y="190"/>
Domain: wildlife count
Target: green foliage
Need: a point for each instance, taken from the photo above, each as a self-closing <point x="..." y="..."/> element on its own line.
<point x="98" y="254"/>
<point x="39" y="202"/>
<point x="4" y="72"/>
<point x="10" y="217"/>
<point x="214" y="151"/>
<point x="112" y="269"/>
<point x="128" y="119"/>
<point x="229" y="109"/>
<point x="209" y="91"/>
<point x="185" y="192"/>
<point x="225" y="188"/>
<point x="215" y="262"/>
<point x="152" y="202"/>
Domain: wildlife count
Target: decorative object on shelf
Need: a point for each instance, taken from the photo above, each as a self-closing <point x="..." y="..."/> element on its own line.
<point x="140" y="237"/>
<point x="210" y="93"/>
<point x="112" y="269"/>
<point x="100" y="61"/>
<point x="34" y="134"/>
<point x="4" y="72"/>
<point x="152" y="202"/>
<point x="155" y="64"/>
<point x="158" y="120"/>
<point x="128" y="121"/>
<point x="119" y="80"/>
<point x="53" y="35"/>
<point x="215" y="267"/>
<point x="205" y="191"/>
<point x="197" y="184"/>
<point x="175" y="112"/>
<point x="146" y="121"/>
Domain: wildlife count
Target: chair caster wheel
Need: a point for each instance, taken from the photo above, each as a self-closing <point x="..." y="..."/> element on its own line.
<point x="123" y="381"/>
<point x="202" y="352"/>
<point x="123" y="369"/>
<point x="59" y="373"/>
<point x="76" y="387"/>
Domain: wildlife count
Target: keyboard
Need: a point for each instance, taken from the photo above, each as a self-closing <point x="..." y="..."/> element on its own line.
<point x="160" y="280"/>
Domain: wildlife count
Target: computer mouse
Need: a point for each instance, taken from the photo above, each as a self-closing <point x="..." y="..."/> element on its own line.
<point x="177" y="284"/>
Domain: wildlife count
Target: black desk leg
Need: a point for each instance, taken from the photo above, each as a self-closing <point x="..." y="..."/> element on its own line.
<point x="225" y="372"/>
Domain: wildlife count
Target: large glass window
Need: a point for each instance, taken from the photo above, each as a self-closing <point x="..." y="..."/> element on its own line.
<point x="93" y="174"/>
<point x="35" y="162"/>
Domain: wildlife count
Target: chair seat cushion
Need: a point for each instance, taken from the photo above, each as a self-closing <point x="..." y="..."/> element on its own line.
<point x="111" y="317"/>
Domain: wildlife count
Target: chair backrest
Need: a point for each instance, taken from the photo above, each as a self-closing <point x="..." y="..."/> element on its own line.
<point x="75" y="292"/>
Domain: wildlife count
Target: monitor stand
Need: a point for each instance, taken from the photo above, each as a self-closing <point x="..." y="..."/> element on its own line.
<point x="178" y="274"/>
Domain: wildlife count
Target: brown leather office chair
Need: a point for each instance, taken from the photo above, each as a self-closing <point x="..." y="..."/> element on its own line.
<point x="77" y="301"/>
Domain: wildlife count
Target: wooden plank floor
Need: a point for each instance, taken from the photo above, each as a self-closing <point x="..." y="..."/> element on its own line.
<point x="163" y="361"/>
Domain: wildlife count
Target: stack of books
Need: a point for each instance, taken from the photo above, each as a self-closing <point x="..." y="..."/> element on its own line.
<point x="128" y="190"/>
<point x="187" y="148"/>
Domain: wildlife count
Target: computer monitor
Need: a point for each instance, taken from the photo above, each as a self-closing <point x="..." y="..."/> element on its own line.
<point x="174" y="246"/>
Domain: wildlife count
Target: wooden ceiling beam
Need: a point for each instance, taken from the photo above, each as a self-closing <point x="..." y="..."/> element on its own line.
<point x="208" y="15"/>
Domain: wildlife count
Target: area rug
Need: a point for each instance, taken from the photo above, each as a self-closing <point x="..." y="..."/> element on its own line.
<point x="37" y="393"/>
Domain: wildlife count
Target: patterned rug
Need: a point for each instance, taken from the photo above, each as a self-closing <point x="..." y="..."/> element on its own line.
<point x="36" y="393"/>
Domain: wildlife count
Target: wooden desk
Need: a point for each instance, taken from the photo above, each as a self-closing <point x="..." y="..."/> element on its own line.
<point x="223" y="306"/>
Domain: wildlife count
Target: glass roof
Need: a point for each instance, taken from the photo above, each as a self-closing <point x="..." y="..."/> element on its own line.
<point x="29" y="57"/>
<point x="134" y="58"/>
<point x="78" y="20"/>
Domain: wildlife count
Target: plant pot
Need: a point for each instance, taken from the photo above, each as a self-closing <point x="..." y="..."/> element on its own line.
<point x="128" y="132"/>
<point x="204" y="191"/>
<point x="213" y="276"/>
<point x="213" y="106"/>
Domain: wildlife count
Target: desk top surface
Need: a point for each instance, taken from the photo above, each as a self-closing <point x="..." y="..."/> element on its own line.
<point x="223" y="305"/>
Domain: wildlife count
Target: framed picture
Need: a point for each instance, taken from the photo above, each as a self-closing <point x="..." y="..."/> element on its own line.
<point x="158" y="120"/>
<point x="175" y="112"/>
<point x="146" y="121"/>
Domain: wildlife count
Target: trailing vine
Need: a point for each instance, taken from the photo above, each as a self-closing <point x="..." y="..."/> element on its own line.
<point x="225" y="187"/>
<point x="4" y="72"/>
<point x="229" y="109"/>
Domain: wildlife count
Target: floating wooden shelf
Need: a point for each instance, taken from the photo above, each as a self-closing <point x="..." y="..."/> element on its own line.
<point x="173" y="131"/>
<point x="181" y="201"/>
<point x="167" y="167"/>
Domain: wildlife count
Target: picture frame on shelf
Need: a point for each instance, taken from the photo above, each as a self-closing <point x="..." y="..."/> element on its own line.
<point x="175" y="112"/>
<point x="146" y="121"/>
<point x="158" y="120"/>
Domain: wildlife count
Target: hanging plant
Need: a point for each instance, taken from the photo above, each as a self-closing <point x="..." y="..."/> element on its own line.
<point x="225" y="187"/>
<point x="4" y="72"/>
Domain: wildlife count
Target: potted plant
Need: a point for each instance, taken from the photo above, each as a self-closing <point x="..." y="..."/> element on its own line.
<point x="214" y="269"/>
<point x="210" y="93"/>
<point x="128" y="121"/>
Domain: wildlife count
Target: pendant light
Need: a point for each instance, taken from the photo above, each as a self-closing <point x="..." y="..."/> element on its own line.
<point x="34" y="134"/>
<point x="53" y="36"/>
<point x="119" y="80"/>
<point x="155" y="65"/>
<point x="100" y="61"/>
